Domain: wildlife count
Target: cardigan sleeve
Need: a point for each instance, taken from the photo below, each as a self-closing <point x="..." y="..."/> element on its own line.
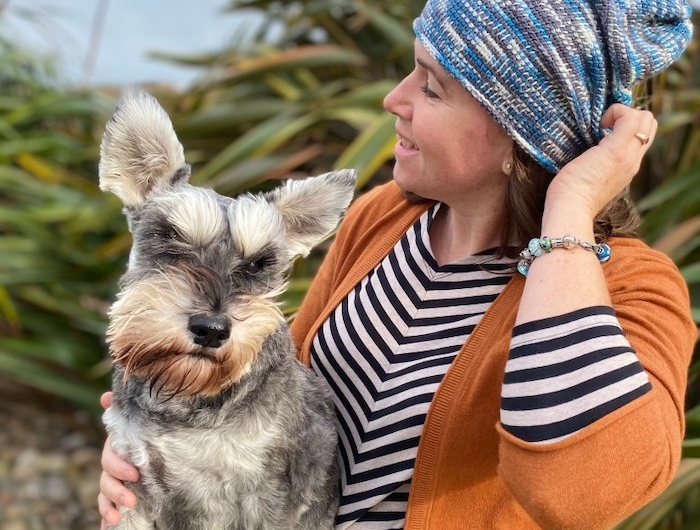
<point x="623" y="460"/>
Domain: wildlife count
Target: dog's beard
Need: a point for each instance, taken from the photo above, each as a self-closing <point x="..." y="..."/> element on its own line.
<point x="148" y="336"/>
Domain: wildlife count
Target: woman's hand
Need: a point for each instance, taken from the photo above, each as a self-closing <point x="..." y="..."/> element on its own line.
<point x="115" y="470"/>
<point x="575" y="196"/>
<point x="590" y="181"/>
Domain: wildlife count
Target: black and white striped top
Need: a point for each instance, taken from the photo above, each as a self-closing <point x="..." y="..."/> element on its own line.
<point x="387" y="346"/>
<point x="563" y="373"/>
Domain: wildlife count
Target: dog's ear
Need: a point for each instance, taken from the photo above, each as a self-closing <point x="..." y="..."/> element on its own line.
<point x="140" y="152"/>
<point x="312" y="207"/>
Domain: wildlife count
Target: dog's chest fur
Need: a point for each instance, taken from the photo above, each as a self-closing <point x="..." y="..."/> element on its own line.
<point x="230" y="456"/>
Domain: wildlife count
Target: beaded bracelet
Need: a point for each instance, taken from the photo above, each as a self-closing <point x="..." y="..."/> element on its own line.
<point x="543" y="245"/>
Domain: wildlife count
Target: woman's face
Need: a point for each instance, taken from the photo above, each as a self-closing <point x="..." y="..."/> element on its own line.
<point x="449" y="148"/>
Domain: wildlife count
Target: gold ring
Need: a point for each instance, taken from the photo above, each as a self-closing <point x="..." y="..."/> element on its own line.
<point x="642" y="138"/>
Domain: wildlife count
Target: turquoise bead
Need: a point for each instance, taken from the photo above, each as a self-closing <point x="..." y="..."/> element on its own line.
<point x="534" y="247"/>
<point x="523" y="267"/>
<point x="604" y="253"/>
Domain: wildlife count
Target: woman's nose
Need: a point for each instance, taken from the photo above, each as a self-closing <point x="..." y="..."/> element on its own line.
<point x="394" y="100"/>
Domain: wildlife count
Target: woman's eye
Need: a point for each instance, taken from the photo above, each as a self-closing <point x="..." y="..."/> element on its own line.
<point x="428" y="91"/>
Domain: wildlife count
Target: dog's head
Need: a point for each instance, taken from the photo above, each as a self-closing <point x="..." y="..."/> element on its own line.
<point x="205" y="271"/>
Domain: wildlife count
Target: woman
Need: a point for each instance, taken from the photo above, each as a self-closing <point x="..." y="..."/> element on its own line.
<point x="495" y="338"/>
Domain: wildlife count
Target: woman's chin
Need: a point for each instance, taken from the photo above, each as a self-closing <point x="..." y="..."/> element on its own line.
<point x="413" y="197"/>
<point x="408" y="187"/>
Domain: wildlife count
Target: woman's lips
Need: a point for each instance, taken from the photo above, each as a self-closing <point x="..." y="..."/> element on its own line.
<point x="407" y="144"/>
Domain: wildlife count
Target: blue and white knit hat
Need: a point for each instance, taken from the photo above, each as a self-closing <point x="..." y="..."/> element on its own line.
<point x="548" y="69"/>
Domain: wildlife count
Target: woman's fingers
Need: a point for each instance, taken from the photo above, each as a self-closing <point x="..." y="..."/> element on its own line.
<point x="633" y="132"/>
<point x="595" y="177"/>
<point x="109" y="513"/>
<point x="617" y="111"/>
<point x="115" y="492"/>
<point x="112" y="489"/>
<point x="631" y="128"/>
<point x="117" y="467"/>
<point x="106" y="400"/>
<point x="110" y="486"/>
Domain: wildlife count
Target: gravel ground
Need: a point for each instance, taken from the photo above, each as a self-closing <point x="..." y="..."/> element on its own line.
<point x="49" y="464"/>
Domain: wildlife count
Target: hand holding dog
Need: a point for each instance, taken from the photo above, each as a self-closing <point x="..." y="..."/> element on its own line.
<point x="115" y="471"/>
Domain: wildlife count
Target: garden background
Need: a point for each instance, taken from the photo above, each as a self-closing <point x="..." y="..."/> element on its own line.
<point x="297" y="93"/>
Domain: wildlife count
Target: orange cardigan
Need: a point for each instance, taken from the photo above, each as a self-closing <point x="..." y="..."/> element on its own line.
<point x="469" y="472"/>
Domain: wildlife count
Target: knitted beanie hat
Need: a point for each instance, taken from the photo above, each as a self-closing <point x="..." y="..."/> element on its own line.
<point x="546" y="70"/>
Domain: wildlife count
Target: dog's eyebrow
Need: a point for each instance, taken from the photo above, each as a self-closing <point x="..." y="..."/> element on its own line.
<point x="199" y="219"/>
<point x="267" y="251"/>
<point x="253" y="225"/>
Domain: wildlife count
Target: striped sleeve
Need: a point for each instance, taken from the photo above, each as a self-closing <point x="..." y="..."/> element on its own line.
<point x="564" y="373"/>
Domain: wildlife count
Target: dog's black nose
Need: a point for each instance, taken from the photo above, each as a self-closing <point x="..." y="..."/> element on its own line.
<point x="209" y="330"/>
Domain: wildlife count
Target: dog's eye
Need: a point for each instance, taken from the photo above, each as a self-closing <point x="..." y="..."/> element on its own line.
<point x="171" y="233"/>
<point x="256" y="265"/>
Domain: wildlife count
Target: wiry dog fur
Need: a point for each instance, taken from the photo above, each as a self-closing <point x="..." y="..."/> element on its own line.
<point x="228" y="430"/>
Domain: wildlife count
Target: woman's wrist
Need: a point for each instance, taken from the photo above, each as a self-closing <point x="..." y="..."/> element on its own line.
<point x="566" y="217"/>
<point x="569" y="204"/>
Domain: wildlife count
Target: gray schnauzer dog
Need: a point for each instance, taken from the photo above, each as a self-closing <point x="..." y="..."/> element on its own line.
<point x="228" y="429"/>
